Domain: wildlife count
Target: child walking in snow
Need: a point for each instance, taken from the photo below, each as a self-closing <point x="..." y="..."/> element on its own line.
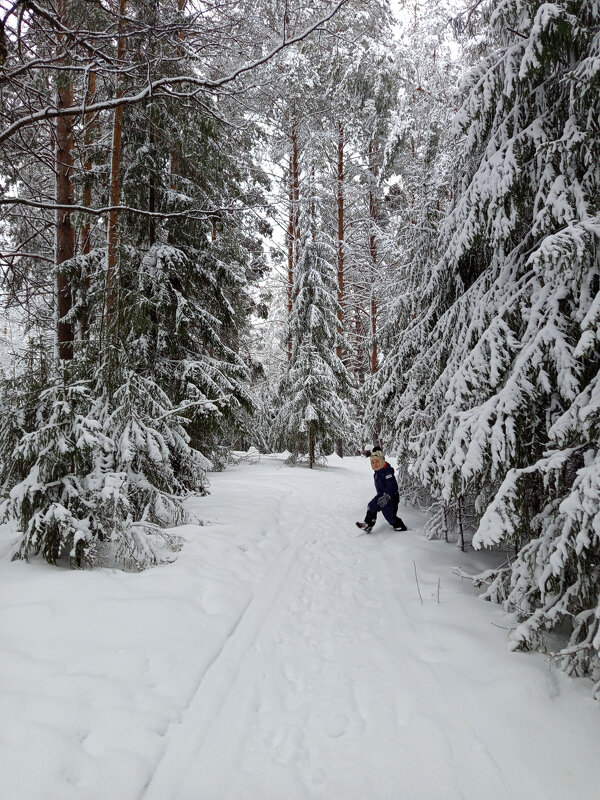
<point x="387" y="497"/>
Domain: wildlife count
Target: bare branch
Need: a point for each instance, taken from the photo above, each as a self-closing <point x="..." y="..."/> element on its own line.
<point x="204" y="212"/>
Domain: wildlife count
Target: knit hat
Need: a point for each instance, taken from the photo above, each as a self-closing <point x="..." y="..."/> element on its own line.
<point x="378" y="454"/>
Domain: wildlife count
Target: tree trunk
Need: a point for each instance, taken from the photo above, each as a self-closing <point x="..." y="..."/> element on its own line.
<point x="445" y="510"/>
<point x="461" y="531"/>
<point x="294" y="222"/>
<point x="115" y="187"/>
<point x="91" y="125"/>
<point x="311" y="448"/>
<point x="339" y="446"/>
<point x="152" y="187"/>
<point x="175" y="158"/>
<point x="360" y="332"/>
<point x="65" y="196"/>
<point x="296" y="166"/>
<point x="290" y="238"/>
<point x="374" y="220"/>
<point x="340" y="218"/>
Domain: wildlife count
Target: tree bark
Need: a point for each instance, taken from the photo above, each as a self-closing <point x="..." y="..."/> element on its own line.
<point x="65" y="196"/>
<point x="90" y="128"/>
<point x="91" y="124"/>
<point x="115" y="186"/>
<point x="290" y="238"/>
<point x="152" y="177"/>
<point x="175" y="156"/>
<point x="339" y="445"/>
<point x="359" y="363"/>
<point x="296" y="165"/>
<point x="374" y="221"/>
<point x="461" y="530"/>
<point x="294" y="221"/>
<point x="445" y="510"/>
<point x="340" y="219"/>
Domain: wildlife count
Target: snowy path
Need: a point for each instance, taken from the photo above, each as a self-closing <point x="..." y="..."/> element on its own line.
<point x="285" y="657"/>
<point x="338" y="682"/>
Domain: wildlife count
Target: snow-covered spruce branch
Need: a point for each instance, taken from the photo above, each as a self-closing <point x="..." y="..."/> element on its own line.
<point x="162" y="85"/>
<point x="195" y="404"/>
<point x="568" y="651"/>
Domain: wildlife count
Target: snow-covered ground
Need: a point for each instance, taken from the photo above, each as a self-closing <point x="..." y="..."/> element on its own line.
<point x="283" y="656"/>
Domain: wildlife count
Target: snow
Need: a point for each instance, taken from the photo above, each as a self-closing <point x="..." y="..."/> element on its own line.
<point x="282" y="655"/>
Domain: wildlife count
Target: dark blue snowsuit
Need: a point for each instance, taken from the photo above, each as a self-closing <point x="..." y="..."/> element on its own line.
<point x="386" y="499"/>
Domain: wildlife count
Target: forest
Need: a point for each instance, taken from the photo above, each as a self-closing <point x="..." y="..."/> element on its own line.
<point x="307" y="227"/>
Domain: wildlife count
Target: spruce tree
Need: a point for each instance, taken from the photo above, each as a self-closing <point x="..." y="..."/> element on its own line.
<point x="507" y="380"/>
<point x="311" y="410"/>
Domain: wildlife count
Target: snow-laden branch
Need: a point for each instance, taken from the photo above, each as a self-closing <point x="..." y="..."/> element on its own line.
<point x="196" y="403"/>
<point x="6" y="257"/>
<point x="162" y="85"/>
<point x="189" y="212"/>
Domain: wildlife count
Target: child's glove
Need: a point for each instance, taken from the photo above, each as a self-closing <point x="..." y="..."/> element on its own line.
<point x="383" y="500"/>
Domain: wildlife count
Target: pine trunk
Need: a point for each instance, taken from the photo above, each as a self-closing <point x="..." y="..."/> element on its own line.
<point x="359" y="362"/>
<point x="290" y="237"/>
<point x="340" y="219"/>
<point x="373" y="223"/>
<point x="65" y="233"/>
<point x="339" y="445"/>
<point x="461" y="530"/>
<point x="91" y="125"/>
<point x="296" y="166"/>
<point x="445" y="510"/>
<point x="115" y="187"/>
<point x="175" y="158"/>
<point x="152" y="178"/>
<point x="294" y="222"/>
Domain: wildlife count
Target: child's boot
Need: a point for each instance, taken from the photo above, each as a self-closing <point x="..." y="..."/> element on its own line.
<point x="365" y="526"/>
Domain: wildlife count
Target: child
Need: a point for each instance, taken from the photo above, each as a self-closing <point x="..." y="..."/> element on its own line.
<point x="387" y="497"/>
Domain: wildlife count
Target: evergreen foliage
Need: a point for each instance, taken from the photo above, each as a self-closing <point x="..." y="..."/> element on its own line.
<point x="452" y="276"/>
<point x="419" y="155"/>
<point x="501" y="404"/>
<point x="313" y="393"/>
<point x="99" y="457"/>
<point x="92" y="472"/>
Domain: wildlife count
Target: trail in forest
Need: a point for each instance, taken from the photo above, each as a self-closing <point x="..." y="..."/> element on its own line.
<point x="344" y="678"/>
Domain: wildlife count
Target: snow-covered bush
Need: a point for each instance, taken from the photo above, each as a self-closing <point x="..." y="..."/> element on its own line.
<point x="93" y="476"/>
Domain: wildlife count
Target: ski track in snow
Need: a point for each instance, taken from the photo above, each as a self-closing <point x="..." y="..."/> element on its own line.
<point x="286" y="657"/>
<point x="316" y="696"/>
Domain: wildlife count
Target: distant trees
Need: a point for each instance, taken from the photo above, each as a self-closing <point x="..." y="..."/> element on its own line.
<point x="334" y="122"/>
